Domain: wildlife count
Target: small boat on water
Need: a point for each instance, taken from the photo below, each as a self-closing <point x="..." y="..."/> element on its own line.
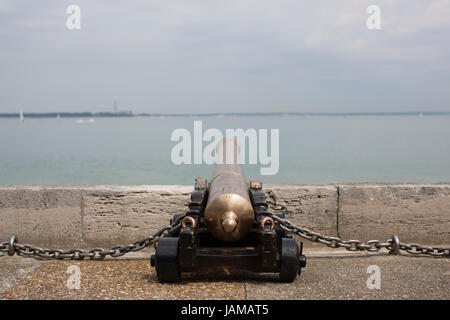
<point x="22" y="119"/>
<point x="90" y="120"/>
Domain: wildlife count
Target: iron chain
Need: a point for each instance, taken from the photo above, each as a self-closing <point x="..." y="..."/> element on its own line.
<point x="393" y="245"/>
<point x="13" y="247"/>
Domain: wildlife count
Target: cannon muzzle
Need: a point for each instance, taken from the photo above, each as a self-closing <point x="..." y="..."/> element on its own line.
<point x="229" y="212"/>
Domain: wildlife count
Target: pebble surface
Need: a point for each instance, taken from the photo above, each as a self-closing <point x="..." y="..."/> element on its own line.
<point x="402" y="277"/>
<point x="121" y="279"/>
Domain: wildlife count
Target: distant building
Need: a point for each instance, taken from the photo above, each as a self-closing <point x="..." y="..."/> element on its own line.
<point x="116" y="104"/>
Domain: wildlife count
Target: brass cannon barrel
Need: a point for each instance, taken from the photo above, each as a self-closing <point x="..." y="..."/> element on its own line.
<point x="229" y="213"/>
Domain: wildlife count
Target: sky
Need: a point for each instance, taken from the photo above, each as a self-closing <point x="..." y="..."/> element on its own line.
<point x="192" y="56"/>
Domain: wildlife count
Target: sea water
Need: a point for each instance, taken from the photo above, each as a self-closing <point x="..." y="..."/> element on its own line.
<point x="313" y="149"/>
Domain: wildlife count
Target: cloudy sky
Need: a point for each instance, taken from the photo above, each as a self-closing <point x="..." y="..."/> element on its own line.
<point x="225" y="56"/>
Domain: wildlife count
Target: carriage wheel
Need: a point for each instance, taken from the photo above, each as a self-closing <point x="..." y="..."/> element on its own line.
<point x="289" y="264"/>
<point x="166" y="260"/>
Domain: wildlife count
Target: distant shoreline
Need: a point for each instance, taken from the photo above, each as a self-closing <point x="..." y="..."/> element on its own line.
<point x="130" y="114"/>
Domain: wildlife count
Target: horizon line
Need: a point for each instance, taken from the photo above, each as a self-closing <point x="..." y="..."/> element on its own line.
<point x="200" y="114"/>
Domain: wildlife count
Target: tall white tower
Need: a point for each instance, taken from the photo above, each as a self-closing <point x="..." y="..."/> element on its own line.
<point x="115" y="104"/>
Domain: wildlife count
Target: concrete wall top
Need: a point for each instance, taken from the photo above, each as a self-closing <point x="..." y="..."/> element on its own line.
<point x="105" y="215"/>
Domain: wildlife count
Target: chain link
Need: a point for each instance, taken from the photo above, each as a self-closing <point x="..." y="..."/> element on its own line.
<point x="393" y="245"/>
<point x="80" y="254"/>
<point x="4" y="246"/>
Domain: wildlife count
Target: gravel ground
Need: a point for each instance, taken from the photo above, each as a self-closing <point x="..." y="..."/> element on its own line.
<point x="342" y="277"/>
<point x="122" y="279"/>
<point x="13" y="267"/>
<point x="402" y="277"/>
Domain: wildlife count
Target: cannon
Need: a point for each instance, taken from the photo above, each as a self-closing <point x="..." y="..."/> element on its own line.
<point x="227" y="225"/>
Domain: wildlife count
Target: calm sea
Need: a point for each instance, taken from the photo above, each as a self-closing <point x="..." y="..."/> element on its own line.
<point x="314" y="149"/>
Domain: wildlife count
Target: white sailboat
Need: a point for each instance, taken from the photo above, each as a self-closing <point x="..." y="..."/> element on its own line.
<point x="22" y="120"/>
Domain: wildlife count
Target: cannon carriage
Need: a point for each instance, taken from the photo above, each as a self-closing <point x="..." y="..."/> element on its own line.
<point x="227" y="225"/>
